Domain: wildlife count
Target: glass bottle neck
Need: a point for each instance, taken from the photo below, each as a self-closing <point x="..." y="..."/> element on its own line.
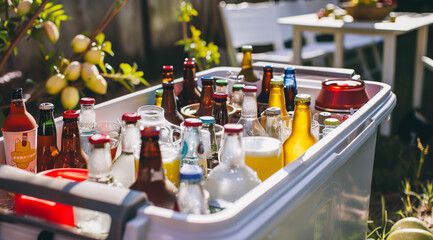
<point x="18" y="106"/>
<point x="169" y="100"/>
<point x="247" y="61"/>
<point x="232" y="152"/>
<point x="70" y="136"/>
<point x="276" y="98"/>
<point x="188" y="79"/>
<point x="266" y="81"/>
<point x="249" y="105"/>
<point x="150" y="166"/>
<point x="47" y="126"/>
<point x="87" y="118"/>
<point x="99" y="164"/>
<point x="289" y="80"/>
<point x="207" y="95"/>
<point x="130" y="137"/>
<point x="167" y="77"/>
<point x="302" y="119"/>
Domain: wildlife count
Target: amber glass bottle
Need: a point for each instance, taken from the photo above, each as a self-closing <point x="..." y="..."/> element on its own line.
<point x="276" y="97"/>
<point x="219" y="110"/>
<point x="169" y="104"/>
<point x="47" y="138"/>
<point x="71" y="155"/>
<point x="189" y="93"/>
<point x="247" y="64"/>
<point x="167" y="73"/>
<point x="301" y="138"/>
<point x="19" y="132"/>
<point x="206" y="98"/>
<point x="263" y="98"/>
<point x="151" y="179"/>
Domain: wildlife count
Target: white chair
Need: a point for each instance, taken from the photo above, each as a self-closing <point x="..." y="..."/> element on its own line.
<point x="256" y="24"/>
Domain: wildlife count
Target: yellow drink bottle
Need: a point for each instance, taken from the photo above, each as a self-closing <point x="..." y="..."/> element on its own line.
<point x="301" y="138"/>
<point x="276" y="97"/>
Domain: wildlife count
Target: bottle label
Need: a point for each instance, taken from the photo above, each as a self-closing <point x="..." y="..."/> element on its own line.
<point x="20" y="149"/>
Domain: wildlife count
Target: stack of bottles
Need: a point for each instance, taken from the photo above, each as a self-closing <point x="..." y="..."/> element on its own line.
<point x="193" y="165"/>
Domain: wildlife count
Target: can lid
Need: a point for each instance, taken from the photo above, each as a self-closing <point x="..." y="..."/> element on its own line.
<point x="268" y="67"/>
<point x="332" y="121"/>
<point x="190" y="173"/>
<point x="17" y="93"/>
<point x="99" y="138"/>
<point x="289" y="70"/>
<point x="70" y="114"/>
<point x="189" y="64"/>
<point x="249" y="88"/>
<point x="207" y="119"/>
<point x="238" y="86"/>
<point x="158" y="92"/>
<point x="220" y="95"/>
<point x="233" y="128"/>
<point x="273" y="111"/>
<point x="167" y="68"/>
<point x="207" y="80"/>
<point x="277" y="81"/>
<point x="168" y="85"/>
<point x="87" y="100"/>
<point x="303" y="98"/>
<point x="192" y="122"/>
<point x="131" y="117"/>
<point x="150" y="131"/>
<point x="221" y="82"/>
<point x="247" y="48"/>
<point x="46" y="106"/>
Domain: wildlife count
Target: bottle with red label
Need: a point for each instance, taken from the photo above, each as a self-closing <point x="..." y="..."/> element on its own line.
<point x="19" y="132"/>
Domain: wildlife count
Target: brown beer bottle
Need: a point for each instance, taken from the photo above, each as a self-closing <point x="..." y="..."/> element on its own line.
<point x="167" y="73"/>
<point x="71" y="155"/>
<point x="151" y="179"/>
<point x="47" y="138"/>
<point x="169" y="104"/>
<point x="206" y="98"/>
<point x="219" y="110"/>
<point x="247" y="65"/>
<point x="263" y="98"/>
<point x="189" y="93"/>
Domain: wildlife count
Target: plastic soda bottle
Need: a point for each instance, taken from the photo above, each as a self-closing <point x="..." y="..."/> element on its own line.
<point x="247" y="64"/>
<point x="249" y="121"/>
<point x="192" y="198"/>
<point x="206" y="98"/>
<point x="47" y="138"/>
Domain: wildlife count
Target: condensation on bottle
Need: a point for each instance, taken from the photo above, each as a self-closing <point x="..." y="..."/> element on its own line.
<point x="191" y="197"/>
<point x="249" y="121"/>
<point x="193" y="150"/>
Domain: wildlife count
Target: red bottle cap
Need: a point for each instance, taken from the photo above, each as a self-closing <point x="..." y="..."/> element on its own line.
<point x="248" y="88"/>
<point x="233" y="128"/>
<point x="99" y="139"/>
<point x="150" y="131"/>
<point x="87" y="100"/>
<point x="192" y="122"/>
<point x="220" y="95"/>
<point x="131" y="117"/>
<point x="167" y="68"/>
<point x="189" y="64"/>
<point x="70" y="114"/>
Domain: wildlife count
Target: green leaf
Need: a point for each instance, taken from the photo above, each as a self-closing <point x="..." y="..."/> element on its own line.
<point x="100" y="38"/>
<point x="106" y="47"/>
<point x="126" y="68"/>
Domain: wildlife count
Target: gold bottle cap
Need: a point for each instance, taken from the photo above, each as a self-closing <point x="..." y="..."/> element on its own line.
<point x="247" y="48"/>
<point x="277" y="81"/>
<point x="332" y="121"/>
<point x="303" y="98"/>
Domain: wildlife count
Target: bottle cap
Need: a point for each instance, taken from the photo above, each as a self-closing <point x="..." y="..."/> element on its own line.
<point x="323" y="116"/>
<point x="273" y="111"/>
<point x="46" y="106"/>
<point x="289" y="70"/>
<point x="291" y="113"/>
<point x="167" y="68"/>
<point x="70" y="114"/>
<point x="189" y="64"/>
<point x="220" y="95"/>
<point x="168" y="85"/>
<point x="190" y="59"/>
<point x="277" y="81"/>
<point x="238" y="86"/>
<point x="332" y="121"/>
<point x="249" y="88"/>
<point x="268" y="67"/>
<point x="150" y="131"/>
<point x="207" y="119"/>
<point x="87" y="100"/>
<point x="158" y="92"/>
<point x="247" y="48"/>
<point x="131" y="117"/>
<point x="17" y="93"/>
<point x="99" y="138"/>
<point x="221" y="82"/>
<point x="303" y="98"/>
<point x="192" y="122"/>
<point x="207" y="80"/>
<point x="190" y="173"/>
<point x="233" y="128"/>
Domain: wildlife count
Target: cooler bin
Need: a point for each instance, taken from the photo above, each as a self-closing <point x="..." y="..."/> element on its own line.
<point x="324" y="194"/>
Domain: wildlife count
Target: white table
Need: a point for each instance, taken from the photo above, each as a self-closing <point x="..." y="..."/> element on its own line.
<point x="404" y="23"/>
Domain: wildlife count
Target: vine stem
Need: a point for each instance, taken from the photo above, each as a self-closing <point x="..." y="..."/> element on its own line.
<point x="21" y="34"/>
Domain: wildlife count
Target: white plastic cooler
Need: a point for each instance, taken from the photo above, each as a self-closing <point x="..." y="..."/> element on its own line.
<point x="324" y="194"/>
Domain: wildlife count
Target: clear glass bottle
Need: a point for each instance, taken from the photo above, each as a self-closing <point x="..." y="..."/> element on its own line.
<point x="247" y="65"/>
<point x="301" y="137"/>
<point x="221" y="85"/>
<point x="248" y="120"/>
<point x="47" y="138"/>
<point x="193" y="150"/>
<point x="231" y="179"/>
<point x="87" y="119"/>
<point x="209" y="141"/>
<point x="219" y="109"/>
<point x="71" y="154"/>
<point x="330" y="125"/>
<point x="125" y="167"/>
<point x="274" y="123"/>
<point x="151" y="178"/>
<point x="206" y="98"/>
<point x="321" y="121"/>
<point x="189" y="93"/>
<point x="290" y="88"/>
<point x="236" y="101"/>
<point x="158" y="97"/>
<point x="263" y="98"/>
<point x="276" y="97"/>
<point x="169" y="104"/>
<point x="192" y="198"/>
